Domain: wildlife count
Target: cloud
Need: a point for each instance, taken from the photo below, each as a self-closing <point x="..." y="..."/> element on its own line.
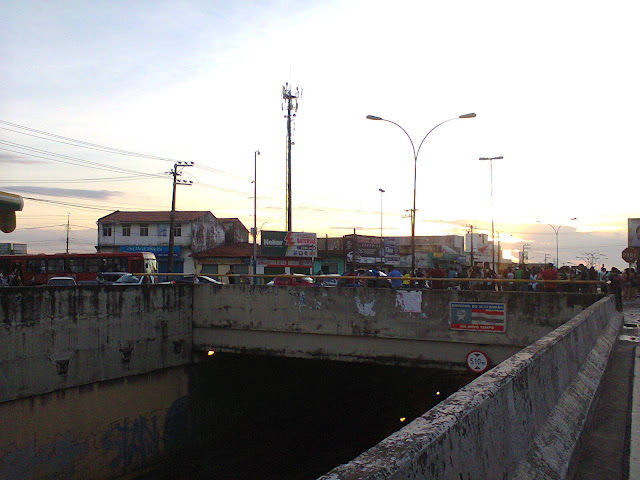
<point x="63" y="192"/>
<point x="12" y="158"/>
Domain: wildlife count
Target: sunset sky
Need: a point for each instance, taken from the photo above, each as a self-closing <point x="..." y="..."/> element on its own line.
<point x="554" y="86"/>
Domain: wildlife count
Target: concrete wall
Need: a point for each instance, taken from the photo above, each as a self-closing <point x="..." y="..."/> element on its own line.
<point x="520" y="420"/>
<point x="53" y="338"/>
<point x="360" y="324"/>
<point x="105" y="430"/>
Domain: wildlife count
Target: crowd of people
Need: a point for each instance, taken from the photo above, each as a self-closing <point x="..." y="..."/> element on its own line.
<point x="623" y="284"/>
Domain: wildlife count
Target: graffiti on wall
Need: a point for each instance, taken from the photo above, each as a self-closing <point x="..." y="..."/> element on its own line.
<point x="132" y="441"/>
<point x="40" y="459"/>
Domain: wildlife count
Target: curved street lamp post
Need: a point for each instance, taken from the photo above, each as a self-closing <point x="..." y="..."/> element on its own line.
<point x="493" y="241"/>
<point x="415" y="173"/>
<point x="557" y="231"/>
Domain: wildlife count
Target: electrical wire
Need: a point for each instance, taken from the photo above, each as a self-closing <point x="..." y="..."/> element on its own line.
<point x="74" y="160"/>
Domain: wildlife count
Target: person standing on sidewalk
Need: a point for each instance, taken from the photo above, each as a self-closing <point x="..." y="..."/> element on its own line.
<point x="615" y="286"/>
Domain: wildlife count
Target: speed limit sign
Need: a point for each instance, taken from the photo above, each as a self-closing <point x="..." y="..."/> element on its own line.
<point x="630" y="255"/>
<point x="477" y="361"/>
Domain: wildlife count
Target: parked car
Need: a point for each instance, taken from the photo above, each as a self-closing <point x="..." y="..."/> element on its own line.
<point x="107" y="278"/>
<point x="61" y="282"/>
<point x="330" y="280"/>
<point x="297" y="280"/>
<point x="130" y="279"/>
<point x="197" y="279"/>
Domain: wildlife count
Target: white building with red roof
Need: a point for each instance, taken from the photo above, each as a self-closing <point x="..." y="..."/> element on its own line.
<point x="149" y="232"/>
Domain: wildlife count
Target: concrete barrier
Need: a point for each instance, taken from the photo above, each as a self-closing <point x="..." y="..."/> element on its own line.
<point x="521" y="420"/>
<point x="371" y="325"/>
<point x="53" y="338"/>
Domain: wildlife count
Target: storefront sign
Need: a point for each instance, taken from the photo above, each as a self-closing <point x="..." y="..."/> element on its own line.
<point x="478" y="316"/>
<point x="289" y="244"/>
<point x="158" y="250"/>
<point x="286" y="262"/>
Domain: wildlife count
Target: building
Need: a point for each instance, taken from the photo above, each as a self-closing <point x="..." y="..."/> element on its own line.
<point x="149" y="232"/>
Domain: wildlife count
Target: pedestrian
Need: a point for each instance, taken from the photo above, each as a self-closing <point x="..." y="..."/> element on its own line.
<point x="437" y="272"/>
<point x="615" y="286"/>
<point x="230" y="277"/>
<point x="396" y="277"/>
<point x="405" y="279"/>
<point x="550" y="273"/>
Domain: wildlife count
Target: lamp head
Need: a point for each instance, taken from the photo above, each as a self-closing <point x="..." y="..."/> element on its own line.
<point x="467" y="115"/>
<point x="373" y="117"/>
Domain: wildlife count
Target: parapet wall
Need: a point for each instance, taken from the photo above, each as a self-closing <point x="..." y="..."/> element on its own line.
<point x="372" y="325"/>
<point x="520" y="420"/>
<point x="53" y="338"/>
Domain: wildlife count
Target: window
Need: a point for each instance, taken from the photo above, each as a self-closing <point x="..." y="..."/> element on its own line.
<point x="126" y="230"/>
<point x="106" y="230"/>
<point x="177" y="230"/>
<point x="36" y="266"/>
<point x="55" y="265"/>
<point x="77" y="265"/>
<point x="162" y="230"/>
<point x="144" y="230"/>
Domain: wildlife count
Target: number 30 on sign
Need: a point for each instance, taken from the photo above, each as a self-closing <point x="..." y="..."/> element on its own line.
<point x="477" y="361"/>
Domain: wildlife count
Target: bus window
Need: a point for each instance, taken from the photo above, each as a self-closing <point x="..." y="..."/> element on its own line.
<point x="77" y="265"/>
<point x="37" y="265"/>
<point x="55" y="265"/>
<point x="136" y="266"/>
<point x="93" y="264"/>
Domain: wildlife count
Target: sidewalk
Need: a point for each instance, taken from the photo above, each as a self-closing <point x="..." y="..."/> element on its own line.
<point x="610" y="451"/>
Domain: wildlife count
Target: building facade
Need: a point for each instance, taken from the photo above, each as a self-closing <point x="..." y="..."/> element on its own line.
<point x="149" y="232"/>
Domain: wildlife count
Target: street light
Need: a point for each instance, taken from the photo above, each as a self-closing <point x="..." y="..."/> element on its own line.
<point x="415" y="173"/>
<point x="381" y="237"/>
<point x="493" y="241"/>
<point x="255" y="218"/>
<point x="557" y="231"/>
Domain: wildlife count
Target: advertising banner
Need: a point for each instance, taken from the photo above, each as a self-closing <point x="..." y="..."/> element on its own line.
<point x="478" y="316"/>
<point x="289" y="244"/>
<point x="634" y="232"/>
<point x="159" y="251"/>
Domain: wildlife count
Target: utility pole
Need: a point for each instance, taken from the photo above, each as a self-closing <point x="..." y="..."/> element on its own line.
<point x="471" y="244"/>
<point x="255" y="215"/>
<point x="68" y="215"/>
<point x="290" y="103"/>
<point x="176" y="181"/>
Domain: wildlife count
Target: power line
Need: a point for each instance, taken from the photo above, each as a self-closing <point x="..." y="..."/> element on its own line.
<point x="76" y="161"/>
<point x="82" y="180"/>
<point x="80" y="143"/>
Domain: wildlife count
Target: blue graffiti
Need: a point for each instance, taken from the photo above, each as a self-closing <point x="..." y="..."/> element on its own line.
<point x="175" y="432"/>
<point x="42" y="460"/>
<point x="134" y="442"/>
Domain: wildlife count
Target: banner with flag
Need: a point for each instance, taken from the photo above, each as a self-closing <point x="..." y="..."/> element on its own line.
<point x="478" y="316"/>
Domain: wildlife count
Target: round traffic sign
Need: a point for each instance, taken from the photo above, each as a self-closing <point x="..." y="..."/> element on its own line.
<point x="477" y="361"/>
<point x="630" y="255"/>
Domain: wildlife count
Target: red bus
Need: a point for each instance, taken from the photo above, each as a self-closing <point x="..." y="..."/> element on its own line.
<point x="38" y="269"/>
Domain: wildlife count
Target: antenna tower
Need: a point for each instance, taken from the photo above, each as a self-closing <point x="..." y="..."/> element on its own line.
<point x="290" y="105"/>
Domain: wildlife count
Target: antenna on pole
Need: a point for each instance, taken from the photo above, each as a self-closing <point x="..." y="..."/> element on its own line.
<point x="290" y="104"/>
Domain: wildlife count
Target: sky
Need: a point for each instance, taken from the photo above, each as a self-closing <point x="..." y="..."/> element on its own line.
<point x="554" y="86"/>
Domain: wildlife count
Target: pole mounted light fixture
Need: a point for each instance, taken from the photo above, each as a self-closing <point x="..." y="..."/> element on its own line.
<point x="557" y="231"/>
<point x="415" y="176"/>
<point x="493" y="242"/>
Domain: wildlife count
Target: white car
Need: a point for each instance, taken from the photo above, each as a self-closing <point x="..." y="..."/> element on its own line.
<point x="130" y="279"/>
<point x="61" y="282"/>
